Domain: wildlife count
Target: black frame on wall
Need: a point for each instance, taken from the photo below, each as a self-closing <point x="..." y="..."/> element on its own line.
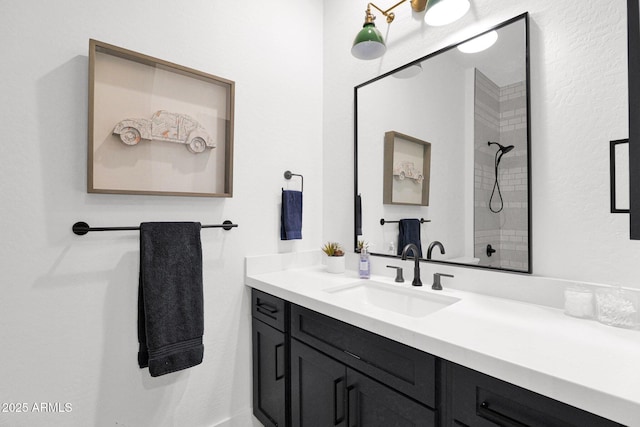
<point x="357" y="196"/>
<point x="612" y="175"/>
<point x="633" y="34"/>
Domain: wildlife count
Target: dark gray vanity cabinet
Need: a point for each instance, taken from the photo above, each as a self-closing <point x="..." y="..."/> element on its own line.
<point x="324" y="392"/>
<point x="330" y="373"/>
<point x="342" y="375"/>
<point x="270" y="359"/>
<point x="479" y="400"/>
<point x="398" y="366"/>
<point x="310" y="370"/>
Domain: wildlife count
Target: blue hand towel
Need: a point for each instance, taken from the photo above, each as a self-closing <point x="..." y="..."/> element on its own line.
<point x="170" y="297"/>
<point x="409" y="232"/>
<point x="291" y="215"/>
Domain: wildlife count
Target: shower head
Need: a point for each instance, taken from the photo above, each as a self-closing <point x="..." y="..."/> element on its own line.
<point x="502" y="149"/>
<point x="506" y="149"/>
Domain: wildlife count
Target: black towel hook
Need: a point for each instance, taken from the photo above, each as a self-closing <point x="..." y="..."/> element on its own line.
<point x="289" y="175"/>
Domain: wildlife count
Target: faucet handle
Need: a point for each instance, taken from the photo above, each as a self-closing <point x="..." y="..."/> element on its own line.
<point x="399" y="277"/>
<point x="437" y="286"/>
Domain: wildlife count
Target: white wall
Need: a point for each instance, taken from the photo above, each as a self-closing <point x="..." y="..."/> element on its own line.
<point x="578" y="104"/>
<point x="68" y="304"/>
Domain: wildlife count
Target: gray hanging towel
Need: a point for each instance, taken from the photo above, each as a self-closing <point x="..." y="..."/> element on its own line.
<point x="170" y="297"/>
<point x="409" y="232"/>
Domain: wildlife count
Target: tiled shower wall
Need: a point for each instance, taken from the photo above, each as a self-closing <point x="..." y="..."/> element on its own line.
<point x="500" y="116"/>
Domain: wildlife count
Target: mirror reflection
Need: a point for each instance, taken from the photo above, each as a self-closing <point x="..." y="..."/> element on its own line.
<point x="442" y="154"/>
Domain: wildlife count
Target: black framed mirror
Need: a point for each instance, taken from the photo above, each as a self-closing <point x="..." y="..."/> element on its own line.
<point x="633" y="34"/>
<point x="472" y="111"/>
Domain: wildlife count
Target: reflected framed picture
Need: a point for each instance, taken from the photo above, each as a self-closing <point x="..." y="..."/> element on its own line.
<point x="156" y="127"/>
<point x="407" y="169"/>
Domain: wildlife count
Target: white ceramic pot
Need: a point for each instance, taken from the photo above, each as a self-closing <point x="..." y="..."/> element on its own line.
<point x="335" y="264"/>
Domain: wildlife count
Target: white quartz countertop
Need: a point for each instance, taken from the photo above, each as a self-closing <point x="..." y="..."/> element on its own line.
<point x="579" y="362"/>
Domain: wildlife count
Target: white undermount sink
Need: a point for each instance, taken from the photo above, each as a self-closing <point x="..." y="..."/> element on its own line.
<point x="401" y="300"/>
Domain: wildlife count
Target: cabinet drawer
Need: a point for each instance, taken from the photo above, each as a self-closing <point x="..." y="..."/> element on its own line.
<point x="480" y="400"/>
<point x="403" y="368"/>
<point x="269" y="309"/>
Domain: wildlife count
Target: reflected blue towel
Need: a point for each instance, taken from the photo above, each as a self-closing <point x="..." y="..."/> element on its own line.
<point x="291" y="215"/>
<point x="409" y="232"/>
<point x="358" y="219"/>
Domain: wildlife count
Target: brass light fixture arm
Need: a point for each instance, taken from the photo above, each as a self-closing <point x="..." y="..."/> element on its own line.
<point x="416" y="5"/>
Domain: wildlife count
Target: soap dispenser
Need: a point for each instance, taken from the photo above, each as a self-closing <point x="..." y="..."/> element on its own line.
<point x="364" y="267"/>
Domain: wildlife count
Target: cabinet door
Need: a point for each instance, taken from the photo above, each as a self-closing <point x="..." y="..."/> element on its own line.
<point x="410" y="371"/>
<point x="269" y="368"/>
<point x="318" y="384"/>
<point x="371" y="404"/>
<point x="478" y="400"/>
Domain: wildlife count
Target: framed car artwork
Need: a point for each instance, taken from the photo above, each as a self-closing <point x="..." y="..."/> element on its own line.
<point x="407" y="170"/>
<point x="156" y="127"/>
<point x="166" y="126"/>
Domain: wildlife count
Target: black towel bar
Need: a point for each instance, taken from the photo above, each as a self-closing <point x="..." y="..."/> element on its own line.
<point x="81" y="228"/>
<point x="383" y="221"/>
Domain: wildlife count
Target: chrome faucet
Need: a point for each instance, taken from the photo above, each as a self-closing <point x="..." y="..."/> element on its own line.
<point x="416" y="267"/>
<point x="432" y="245"/>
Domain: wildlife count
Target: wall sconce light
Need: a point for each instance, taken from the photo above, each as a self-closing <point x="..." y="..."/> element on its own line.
<point x="369" y="43"/>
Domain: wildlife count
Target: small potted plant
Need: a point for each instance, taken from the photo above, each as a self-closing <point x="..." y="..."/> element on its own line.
<point x="335" y="257"/>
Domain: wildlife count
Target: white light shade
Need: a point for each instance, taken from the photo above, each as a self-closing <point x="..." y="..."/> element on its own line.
<point x="368" y="50"/>
<point x="444" y="12"/>
<point x="480" y="43"/>
<point x="407" y="73"/>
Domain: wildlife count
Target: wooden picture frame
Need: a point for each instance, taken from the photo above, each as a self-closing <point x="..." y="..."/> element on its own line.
<point x="156" y="127"/>
<point x="407" y="170"/>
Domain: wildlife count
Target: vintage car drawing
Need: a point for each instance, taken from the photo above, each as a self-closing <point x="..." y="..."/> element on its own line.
<point x="165" y="126"/>
<point x="406" y="169"/>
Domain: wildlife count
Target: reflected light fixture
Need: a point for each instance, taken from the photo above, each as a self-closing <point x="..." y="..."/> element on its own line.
<point x="369" y="43"/>
<point x="408" y="72"/>
<point x="480" y="43"/>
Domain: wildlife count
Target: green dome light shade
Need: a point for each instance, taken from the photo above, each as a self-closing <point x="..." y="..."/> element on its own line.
<point x="443" y="12"/>
<point x="368" y="43"/>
